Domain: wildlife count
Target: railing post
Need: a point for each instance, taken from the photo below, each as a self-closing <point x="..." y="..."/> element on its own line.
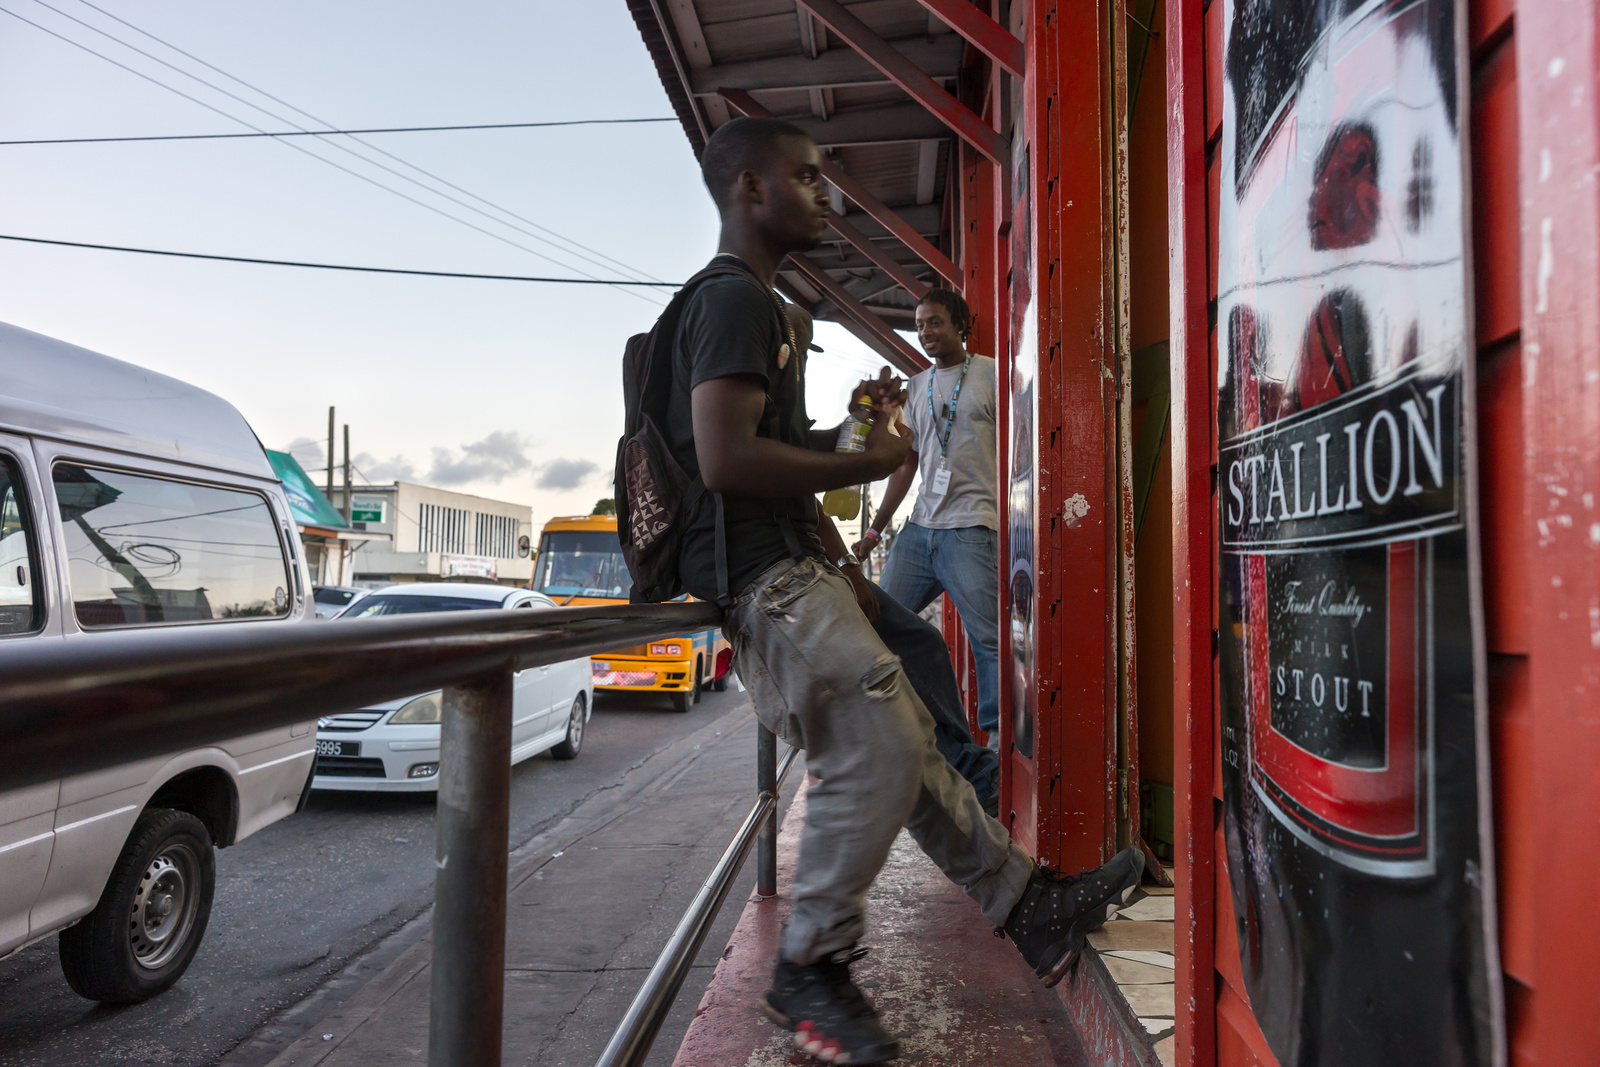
<point x="469" y="894"/>
<point x="767" y="782"/>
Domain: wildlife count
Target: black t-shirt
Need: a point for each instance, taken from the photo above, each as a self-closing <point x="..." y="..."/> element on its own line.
<point x="730" y="326"/>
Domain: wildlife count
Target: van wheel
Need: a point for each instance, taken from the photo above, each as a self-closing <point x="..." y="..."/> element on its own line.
<point x="569" y="747"/>
<point x="152" y="914"/>
<point x="699" y="678"/>
<point x="720" y="685"/>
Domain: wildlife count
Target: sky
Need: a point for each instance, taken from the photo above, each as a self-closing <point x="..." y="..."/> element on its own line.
<point x="509" y="390"/>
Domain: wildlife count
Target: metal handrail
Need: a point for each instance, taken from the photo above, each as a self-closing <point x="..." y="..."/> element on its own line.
<point x="139" y="693"/>
<point x="630" y="1044"/>
<point x="67" y="707"/>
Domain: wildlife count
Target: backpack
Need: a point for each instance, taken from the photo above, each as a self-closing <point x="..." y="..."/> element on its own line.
<point x="655" y="495"/>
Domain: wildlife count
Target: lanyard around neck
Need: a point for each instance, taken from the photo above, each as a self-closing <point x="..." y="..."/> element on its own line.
<point x="950" y="414"/>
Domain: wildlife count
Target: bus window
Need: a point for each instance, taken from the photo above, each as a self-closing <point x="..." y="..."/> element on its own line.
<point x="581" y="563"/>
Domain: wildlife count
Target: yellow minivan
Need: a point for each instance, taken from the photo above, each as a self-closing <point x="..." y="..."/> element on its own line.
<point x="580" y="562"/>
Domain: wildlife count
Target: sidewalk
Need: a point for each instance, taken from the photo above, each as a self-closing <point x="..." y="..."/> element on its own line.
<point x="956" y="995"/>
<point x="590" y="905"/>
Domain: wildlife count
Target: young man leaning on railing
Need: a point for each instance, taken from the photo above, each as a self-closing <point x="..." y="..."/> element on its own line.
<point x="818" y="674"/>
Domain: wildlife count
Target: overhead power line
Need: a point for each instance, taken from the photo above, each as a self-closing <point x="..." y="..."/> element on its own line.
<point x="324" y="122"/>
<point x="322" y="159"/>
<point x="340" y="146"/>
<point x="337" y="266"/>
<point x="336" y="133"/>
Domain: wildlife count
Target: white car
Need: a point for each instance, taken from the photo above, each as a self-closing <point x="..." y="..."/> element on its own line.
<point x="394" y="746"/>
<point x="330" y="600"/>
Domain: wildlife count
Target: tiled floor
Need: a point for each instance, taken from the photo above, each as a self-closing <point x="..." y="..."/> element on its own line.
<point x="1137" y="949"/>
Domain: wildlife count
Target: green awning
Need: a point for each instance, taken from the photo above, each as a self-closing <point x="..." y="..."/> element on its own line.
<point x="306" y="501"/>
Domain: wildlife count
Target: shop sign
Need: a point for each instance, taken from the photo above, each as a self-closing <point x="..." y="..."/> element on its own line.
<point x="468" y="567"/>
<point x="366" y="510"/>
<point x="1356" y="803"/>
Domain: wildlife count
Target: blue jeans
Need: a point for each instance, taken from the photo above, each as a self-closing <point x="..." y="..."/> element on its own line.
<point x="926" y="660"/>
<point x="964" y="563"/>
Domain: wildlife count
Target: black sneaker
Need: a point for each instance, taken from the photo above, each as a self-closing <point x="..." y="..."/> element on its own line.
<point x="829" y="1016"/>
<point x="1051" y="923"/>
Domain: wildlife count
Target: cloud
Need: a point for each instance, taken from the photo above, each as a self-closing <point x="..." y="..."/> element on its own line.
<point x="376" y="471"/>
<point x="493" y="459"/>
<point x="563" y="473"/>
<point x="496" y="457"/>
<point x="311" y="453"/>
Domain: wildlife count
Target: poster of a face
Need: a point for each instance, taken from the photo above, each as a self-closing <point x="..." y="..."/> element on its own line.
<point x="1355" y="794"/>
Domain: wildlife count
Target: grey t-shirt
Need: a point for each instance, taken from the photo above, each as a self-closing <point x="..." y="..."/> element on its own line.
<point x="970" y="498"/>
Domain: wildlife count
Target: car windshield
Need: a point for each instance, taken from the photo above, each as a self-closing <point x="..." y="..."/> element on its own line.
<point x="407" y="604"/>
<point x="334" y="596"/>
<point x="582" y="563"/>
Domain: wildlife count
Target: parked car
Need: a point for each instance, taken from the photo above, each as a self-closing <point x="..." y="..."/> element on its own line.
<point x="131" y="500"/>
<point x="332" y="599"/>
<point x="394" y="746"/>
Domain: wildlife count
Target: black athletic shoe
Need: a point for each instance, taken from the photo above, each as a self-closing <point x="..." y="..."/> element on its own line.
<point x="1051" y="923"/>
<point x="829" y="1016"/>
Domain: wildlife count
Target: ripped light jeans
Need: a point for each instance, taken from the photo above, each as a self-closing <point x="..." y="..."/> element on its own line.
<point x="821" y="679"/>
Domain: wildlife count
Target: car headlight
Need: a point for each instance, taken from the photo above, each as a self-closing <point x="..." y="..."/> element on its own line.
<point x="422" y="711"/>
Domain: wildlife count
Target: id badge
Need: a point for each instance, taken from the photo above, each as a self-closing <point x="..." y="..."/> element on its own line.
<point x="940" y="484"/>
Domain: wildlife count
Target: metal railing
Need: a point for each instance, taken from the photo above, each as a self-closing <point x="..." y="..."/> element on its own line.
<point x="68" y="707"/>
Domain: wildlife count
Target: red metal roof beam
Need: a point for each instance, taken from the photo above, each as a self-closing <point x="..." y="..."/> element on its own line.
<point x="913" y="79"/>
<point x="745" y="104"/>
<point x="982" y="32"/>
<point x="893" y="347"/>
<point x="885" y="262"/>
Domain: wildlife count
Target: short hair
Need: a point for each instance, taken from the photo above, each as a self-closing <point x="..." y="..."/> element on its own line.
<point x="954" y="303"/>
<point x="739" y="145"/>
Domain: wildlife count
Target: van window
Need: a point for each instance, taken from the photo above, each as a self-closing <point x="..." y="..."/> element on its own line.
<point x="20" y="610"/>
<point x="144" y="550"/>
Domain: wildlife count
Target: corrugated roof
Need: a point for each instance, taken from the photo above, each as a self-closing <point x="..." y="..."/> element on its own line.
<point x="793" y="66"/>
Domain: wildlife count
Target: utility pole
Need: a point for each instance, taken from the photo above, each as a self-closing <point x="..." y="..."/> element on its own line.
<point x="347" y="473"/>
<point x="330" y="451"/>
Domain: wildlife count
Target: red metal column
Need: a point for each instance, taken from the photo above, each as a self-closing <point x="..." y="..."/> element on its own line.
<point x="1558" y="65"/>
<point x="1193" y="519"/>
<point x="1076" y="433"/>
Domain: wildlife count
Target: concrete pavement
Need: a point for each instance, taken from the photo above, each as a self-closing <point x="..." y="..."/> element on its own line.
<point x="592" y="901"/>
<point x="954" y="994"/>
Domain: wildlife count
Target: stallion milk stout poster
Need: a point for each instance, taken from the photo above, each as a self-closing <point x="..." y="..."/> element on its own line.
<point x="1353" y="727"/>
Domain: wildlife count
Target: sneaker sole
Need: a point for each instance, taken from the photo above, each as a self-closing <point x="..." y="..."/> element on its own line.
<point x="870" y="1054"/>
<point x="1071" y="946"/>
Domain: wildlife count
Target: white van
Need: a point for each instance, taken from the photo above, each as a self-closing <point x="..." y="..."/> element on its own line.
<point x="129" y="499"/>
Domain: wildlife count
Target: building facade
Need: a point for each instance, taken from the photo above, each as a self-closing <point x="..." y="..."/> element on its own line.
<point x="437" y="535"/>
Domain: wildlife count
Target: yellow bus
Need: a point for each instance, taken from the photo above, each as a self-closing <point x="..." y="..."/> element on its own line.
<point x="580" y="562"/>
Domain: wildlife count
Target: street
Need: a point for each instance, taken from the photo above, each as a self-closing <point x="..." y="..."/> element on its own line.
<point x="310" y="909"/>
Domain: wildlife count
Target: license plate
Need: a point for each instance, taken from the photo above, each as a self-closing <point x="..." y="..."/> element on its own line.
<point x="338" y="748"/>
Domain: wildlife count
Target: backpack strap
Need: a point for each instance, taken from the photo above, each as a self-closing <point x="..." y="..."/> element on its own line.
<point x="723" y="597"/>
<point x="697" y="489"/>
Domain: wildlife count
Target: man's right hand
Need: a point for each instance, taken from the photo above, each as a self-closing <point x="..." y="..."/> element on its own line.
<point x="886" y="451"/>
